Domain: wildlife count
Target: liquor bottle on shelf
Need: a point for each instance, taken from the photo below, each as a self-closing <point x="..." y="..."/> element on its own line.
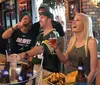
<point x="81" y="77"/>
<point x="5" y="73"/>
<point x="22" y="77"/>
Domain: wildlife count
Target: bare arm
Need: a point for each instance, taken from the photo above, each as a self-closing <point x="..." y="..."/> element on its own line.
<point x="34" y="51"/>
<point x="61" y="56"/>
<point x="7" y="34"/>
<point x="98" y="74"/>
<point x="62" y="44"/>
<point x="92" y="45"/>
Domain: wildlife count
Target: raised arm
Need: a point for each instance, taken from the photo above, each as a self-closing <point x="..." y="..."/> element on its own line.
<point x="62" y="44"/>
<point x="7" y="34"/>
<point x="63" y="58"/>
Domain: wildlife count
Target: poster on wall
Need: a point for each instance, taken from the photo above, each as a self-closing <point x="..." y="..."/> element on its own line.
<point x="74" y="6"/>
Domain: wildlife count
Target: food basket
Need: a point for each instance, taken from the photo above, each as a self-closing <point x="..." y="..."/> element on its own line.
<point x="71" y="78"/>
<point x="55" y="79"/>
<point x="71" y="83"/>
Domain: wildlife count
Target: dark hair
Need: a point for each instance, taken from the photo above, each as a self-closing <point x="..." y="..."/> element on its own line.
<point x="26" y="13"/>
<point x="45" y="7"/>
<point x="48" y="14"/>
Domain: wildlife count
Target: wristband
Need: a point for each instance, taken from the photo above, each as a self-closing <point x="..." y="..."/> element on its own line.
<point x="26" y="55"/>
<point x="12" y="28"/>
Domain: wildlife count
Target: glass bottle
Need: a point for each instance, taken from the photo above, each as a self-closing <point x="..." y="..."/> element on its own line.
<point x="22" y="76"/>
<point x="0" y="77"/>
<point x="30" y="70"/>
<point x="5" y="73"/>
<point x="81" y="77"/>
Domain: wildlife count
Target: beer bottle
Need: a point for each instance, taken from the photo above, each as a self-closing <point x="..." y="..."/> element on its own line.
<point x="30" y="70"/>
<point x="22" y="76"/>
<point x="5" y="73"/>
<point x="0" y="77"/>
<point x="81" y="78"/>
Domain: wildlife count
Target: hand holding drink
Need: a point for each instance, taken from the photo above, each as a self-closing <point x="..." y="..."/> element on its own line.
<point x="19" y="25"/>
<point x="53" y="41"/>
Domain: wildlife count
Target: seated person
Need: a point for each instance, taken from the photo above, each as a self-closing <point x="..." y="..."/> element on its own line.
<point x="82" y="44"/>
<point x="22" y="34"/>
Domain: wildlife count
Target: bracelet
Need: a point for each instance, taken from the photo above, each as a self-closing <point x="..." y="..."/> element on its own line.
<point x="12" y="28"/>
<point x="26" y="55"/>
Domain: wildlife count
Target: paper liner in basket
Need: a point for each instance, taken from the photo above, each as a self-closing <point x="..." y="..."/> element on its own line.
<point x="71" y="77"/>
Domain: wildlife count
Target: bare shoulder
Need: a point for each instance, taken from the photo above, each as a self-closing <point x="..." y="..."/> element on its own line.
<point x="92" y="44"/>
<point x="92" y="41"/>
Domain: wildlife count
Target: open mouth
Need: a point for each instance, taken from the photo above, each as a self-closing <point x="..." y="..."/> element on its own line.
<point x="74" y="26"/>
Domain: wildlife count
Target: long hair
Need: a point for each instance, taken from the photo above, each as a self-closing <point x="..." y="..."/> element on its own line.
<point x="88" y="32"/>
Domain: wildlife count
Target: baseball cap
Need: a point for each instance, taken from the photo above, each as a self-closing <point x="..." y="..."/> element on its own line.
<point x="48" y="14"/>
<point x="26" y="13"/>
<point x="45" y="7"/>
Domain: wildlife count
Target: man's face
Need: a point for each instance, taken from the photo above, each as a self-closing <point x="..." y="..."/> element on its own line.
<point x="26" y="20"/>
<point x="43" y="21"/>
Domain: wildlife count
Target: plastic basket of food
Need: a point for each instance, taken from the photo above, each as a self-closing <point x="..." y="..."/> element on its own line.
<point x="71" y="78"/>
<point x="55" y="79"/>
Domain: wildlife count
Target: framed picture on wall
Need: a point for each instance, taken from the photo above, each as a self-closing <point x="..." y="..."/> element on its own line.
<point x="74" y="6"/>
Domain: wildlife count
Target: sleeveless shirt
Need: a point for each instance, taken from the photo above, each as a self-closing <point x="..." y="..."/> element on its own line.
<point x="73" y="58"/>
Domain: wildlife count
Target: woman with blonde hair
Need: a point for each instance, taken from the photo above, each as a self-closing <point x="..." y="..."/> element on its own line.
<point x="82" y="44"/>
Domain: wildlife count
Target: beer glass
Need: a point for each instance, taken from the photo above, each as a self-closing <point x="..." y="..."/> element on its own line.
<point x="53" y="41"/>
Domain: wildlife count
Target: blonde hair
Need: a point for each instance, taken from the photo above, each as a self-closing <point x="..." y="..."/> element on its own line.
<point x="88" y="32"/>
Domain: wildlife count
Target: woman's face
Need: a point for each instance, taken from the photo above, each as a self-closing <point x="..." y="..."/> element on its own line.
<point x="77" y="24"/>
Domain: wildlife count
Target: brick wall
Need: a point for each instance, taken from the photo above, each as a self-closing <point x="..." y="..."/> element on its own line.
<point x="90" y="9"/>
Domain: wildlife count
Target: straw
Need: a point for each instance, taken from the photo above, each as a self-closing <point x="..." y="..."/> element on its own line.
<point x="6" y="55"/>
<point x="41" y="72"/>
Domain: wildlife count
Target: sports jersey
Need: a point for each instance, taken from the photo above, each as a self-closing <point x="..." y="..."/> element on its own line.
<point x="51" y="62"/>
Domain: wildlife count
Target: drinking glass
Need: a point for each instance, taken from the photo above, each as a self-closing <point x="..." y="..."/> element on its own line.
<point x="53" y="41"/>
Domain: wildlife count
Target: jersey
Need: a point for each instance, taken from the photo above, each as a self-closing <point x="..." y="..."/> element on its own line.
<point x="50" y="62"/>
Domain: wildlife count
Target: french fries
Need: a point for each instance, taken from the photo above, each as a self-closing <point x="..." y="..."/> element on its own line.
<point x="56" y="79"/>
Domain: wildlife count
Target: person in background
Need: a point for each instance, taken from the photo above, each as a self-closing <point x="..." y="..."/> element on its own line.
<point x="3" y="42"/>
<point x="82" y="44"/>
<point x="22" y="34"/>
<point x="56" y="24"/>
